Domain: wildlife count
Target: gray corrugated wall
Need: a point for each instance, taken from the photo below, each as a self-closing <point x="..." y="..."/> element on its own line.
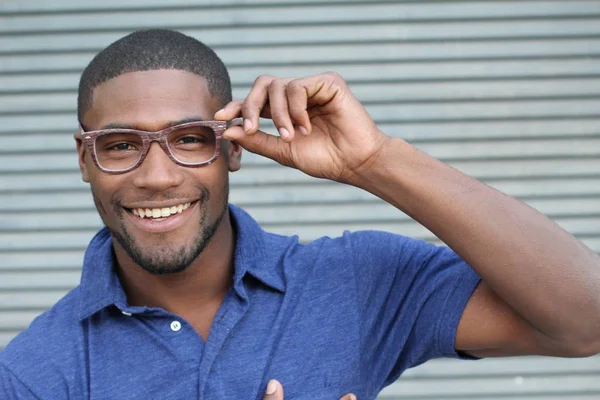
<point x="506" y="91"/>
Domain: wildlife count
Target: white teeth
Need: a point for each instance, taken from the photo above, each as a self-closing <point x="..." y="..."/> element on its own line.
<point x="160" y="213"/>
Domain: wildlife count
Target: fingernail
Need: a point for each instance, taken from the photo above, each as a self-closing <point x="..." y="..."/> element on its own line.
<point x="303" y="130"/>
<point x="284" y="133"/>
<point x="352" y="397"/>
<point x="247" y="125"/>
<point x="271" y="387"/>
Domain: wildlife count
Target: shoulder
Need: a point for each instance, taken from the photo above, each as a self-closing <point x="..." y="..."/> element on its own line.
<point x="382" y="262"/>
<point x="45" y="352"/>
<point x="371" y="248"/>
<point x="351" y="254"/>
<point x="359" y="241"/>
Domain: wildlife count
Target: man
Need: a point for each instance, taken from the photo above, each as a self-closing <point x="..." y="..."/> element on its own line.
<point x="184" y="296"/>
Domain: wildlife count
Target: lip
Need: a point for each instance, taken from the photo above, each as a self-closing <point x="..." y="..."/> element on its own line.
<point x="171" y="223"/>
<point x="158" y="205"/>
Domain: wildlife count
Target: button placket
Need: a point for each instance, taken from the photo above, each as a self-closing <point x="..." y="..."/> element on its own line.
<point x="230" y="313"/>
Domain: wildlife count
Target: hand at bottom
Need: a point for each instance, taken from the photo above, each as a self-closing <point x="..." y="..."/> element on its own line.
<point x="275" y="392"/>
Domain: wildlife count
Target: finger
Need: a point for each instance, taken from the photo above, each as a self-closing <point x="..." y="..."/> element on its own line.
<point x="254" y="103"/>
<point x="262" y="143"/>
<point x="230" y="111"/>
<point x="234" y="109"/>
<point x="348" y="396"/>
<point x="280" y="113"/>
<point x="322" y="89"/>
<point x="266" y="112"/>
<point x="274" y="391"/>
<point x="298" y="103"/>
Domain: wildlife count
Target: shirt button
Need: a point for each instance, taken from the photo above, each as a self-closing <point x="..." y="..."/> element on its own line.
<point x="175" y="326"/>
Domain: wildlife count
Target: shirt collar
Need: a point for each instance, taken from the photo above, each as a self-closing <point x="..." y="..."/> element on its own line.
<point x="252" y="253"/>
<point x="100" y="286"/>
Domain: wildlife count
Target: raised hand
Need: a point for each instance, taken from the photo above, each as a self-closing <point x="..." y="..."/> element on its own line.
<point x="324" y="131"/>
<point x="275" y="392"/>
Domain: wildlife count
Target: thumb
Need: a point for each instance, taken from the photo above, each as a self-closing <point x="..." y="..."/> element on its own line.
<point x="261" y="143"/>
<point x="274" y="391"/>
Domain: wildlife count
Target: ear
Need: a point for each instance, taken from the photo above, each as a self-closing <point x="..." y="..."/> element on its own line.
<point x="234" y="155"/>
<point x="81" y="152"/>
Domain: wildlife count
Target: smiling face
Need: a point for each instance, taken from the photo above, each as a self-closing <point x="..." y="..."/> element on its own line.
<point x="182" y="206"/>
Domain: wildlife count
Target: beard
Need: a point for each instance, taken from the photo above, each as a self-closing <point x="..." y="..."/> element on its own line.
<point x="170" y="257"/>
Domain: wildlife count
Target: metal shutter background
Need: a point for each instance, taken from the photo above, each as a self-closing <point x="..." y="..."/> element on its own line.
<point x="506" y="91"/>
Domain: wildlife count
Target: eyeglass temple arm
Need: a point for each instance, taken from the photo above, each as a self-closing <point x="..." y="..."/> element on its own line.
<point x="235" y="122"/>
<point x="79" y="133"/>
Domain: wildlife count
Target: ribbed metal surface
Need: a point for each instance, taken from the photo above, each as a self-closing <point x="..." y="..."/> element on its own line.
<point x="506" y="91"/>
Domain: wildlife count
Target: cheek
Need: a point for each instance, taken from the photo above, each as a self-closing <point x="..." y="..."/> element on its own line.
<point x="105" y="194"/>
<point x="100" y="207"/>
<point x="220" y="191"/>
<point x="214" y="179"/>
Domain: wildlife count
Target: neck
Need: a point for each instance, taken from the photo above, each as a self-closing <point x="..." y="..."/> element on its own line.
<point x="203" y="283"/>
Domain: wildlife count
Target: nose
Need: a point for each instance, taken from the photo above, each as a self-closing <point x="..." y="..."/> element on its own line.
<point x="157" y="172"/>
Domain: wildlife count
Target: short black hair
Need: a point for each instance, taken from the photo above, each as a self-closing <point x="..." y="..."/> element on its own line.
<point x="149" y="50"/>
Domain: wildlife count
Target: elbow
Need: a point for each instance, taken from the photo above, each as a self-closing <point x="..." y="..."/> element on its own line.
<point x="580" y="347"/>
<point x="580" y="337"/>
<point x="588" y="349"/>
<point x="583" y="351"/>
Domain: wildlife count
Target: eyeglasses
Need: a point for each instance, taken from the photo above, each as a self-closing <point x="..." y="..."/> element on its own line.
<point x="193" y="144"/>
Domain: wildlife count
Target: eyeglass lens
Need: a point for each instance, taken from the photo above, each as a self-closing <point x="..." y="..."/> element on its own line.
<point x="122" y="150"/>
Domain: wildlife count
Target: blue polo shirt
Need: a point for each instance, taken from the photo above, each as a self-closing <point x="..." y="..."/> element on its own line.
<point x="326" y="318"/>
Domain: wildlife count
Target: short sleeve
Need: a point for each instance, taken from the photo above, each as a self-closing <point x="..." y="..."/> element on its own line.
<point x="12" y="388"/>
<point x="411" y="296"/>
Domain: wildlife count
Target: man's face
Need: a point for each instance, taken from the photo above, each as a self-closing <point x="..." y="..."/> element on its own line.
<point x="151" y="101"/>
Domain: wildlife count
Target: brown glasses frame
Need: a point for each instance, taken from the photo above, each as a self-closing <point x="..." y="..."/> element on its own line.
<point x="89" y="140"/>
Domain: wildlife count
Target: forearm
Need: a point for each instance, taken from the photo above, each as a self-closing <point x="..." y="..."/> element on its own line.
<point x="545" y="274"/>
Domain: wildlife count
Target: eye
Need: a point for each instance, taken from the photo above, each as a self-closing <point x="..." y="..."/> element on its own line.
<point x="118" y="142"/>
<point x="191" y="139"/>
<point x="120" y="147"/>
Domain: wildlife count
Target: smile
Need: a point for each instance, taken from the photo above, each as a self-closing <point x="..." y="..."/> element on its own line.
<point x="160" y="213"/>
<point x="161" y="219"/>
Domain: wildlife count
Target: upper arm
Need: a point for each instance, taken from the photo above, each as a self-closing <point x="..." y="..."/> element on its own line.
<point x="411" y="296"/>
<point x="12" y="388"/>
<point x="489" y="327"/>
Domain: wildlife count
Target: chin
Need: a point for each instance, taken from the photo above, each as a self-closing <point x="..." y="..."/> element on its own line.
<point x="168" y="255"/>
<point x="162" y="258"/>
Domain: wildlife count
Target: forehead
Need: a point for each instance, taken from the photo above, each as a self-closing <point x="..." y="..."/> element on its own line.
<point x="149" y="99"/>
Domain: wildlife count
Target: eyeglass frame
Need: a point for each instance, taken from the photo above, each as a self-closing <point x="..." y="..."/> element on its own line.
<point x="88" y="138"/>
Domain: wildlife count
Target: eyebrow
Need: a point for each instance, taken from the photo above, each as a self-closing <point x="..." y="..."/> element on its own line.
<point x="167" y="125"/>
